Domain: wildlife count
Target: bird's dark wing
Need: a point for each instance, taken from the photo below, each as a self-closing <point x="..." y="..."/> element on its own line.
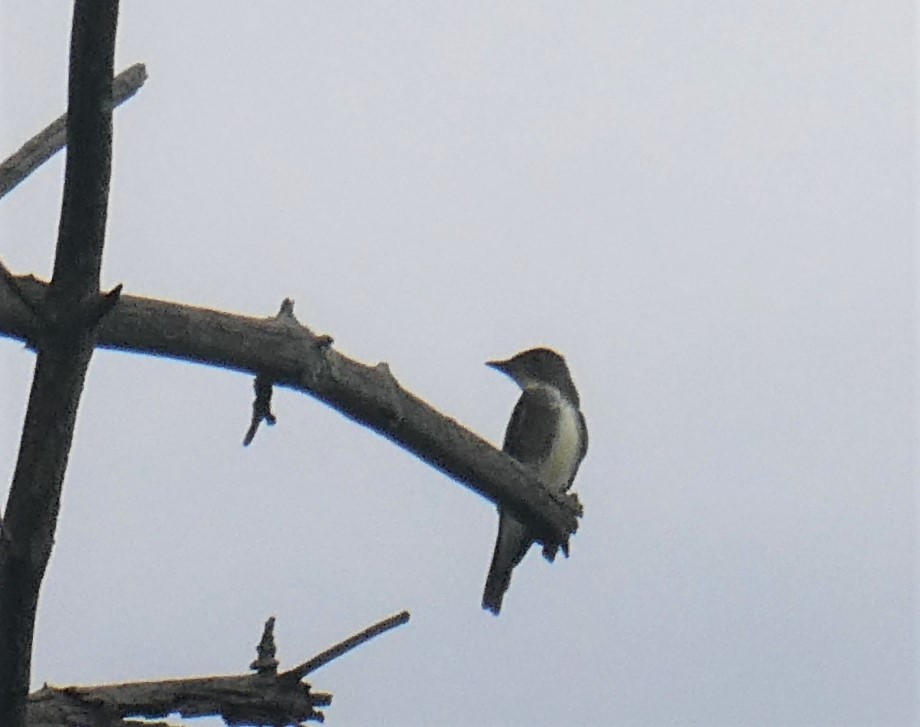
<point x="530" y="432"/>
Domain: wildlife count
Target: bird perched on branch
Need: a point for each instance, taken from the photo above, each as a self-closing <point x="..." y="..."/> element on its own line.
<point x="546" y="433"/>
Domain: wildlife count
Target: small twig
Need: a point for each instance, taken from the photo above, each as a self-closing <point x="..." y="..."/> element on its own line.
<point x="108" y="301"/>
<point x="286" y="312"/>
<point x="16" y="290"/>
<point x="90" y="315"/>
<point x="261" y="407"/>
<point x="286" y="315"/>
<point x="262" y="404"/>
<point x="392" y="387"/>
<point x="299" y="672"/>
<point x="265" y="651"/>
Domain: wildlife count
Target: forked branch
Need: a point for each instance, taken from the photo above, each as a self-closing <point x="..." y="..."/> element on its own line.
<point x="263" y="698"/>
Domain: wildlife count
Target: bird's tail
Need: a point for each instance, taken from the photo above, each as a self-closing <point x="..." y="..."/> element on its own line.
<point x="510" y="547"/>
<point x="497" y="583"/>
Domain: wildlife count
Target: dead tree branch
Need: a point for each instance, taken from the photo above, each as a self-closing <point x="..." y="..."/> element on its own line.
<point x="44" y="145"/>
<point x="263" y="698"/>
<point x="343" y="647"/>
<point x="70" y="312"/>
<point x="291" y="355"/>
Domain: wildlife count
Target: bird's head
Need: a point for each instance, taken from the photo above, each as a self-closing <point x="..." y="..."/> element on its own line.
<point x="538" y="366"/>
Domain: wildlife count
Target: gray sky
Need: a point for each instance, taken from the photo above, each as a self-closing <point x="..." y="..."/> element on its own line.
<point x="709" y="207"/>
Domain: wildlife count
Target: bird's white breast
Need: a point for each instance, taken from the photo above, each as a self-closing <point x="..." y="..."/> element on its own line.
<point x="559" y="466"/>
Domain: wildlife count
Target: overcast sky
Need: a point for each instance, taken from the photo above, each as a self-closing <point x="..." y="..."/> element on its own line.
<point x="708" y="207"/>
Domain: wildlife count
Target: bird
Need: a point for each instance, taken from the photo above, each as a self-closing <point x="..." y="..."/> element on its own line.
<point x="548" y="434"/>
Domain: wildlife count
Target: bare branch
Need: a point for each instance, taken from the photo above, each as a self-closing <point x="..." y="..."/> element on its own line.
<point x="265" y="698"/>
<point x="343" y="647"/>
<point x="44" y="145"/>
<point x="244" y="699"/>
<point x="64" y="353"/>
<point x="295" y="357"/>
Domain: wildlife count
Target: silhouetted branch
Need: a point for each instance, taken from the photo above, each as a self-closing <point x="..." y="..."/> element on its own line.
<point x="343" y="647"/>
<point x="72" y="303"/>
<point x="263" y="698"/>
<point x="44" y="145"/>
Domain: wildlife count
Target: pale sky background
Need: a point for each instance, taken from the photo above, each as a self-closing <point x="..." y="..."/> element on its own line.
<point x="709" y="207"/>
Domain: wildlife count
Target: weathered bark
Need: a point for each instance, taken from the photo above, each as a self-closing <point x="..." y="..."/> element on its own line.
<point x="263" y="698"/>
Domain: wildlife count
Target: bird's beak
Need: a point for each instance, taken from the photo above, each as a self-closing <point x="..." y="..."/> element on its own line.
<point x="498" y="366"/>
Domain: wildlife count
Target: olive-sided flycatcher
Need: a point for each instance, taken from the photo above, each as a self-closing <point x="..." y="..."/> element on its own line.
<point x="547" y="433"/>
